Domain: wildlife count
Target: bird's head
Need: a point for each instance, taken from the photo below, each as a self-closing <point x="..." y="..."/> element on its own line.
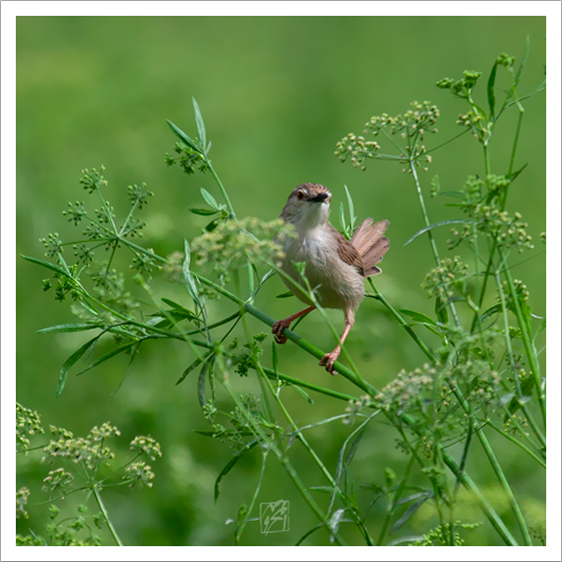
<point x="308" y="206"/>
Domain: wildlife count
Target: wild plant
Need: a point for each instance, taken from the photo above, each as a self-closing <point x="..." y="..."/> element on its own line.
<point x="480" y="375"/>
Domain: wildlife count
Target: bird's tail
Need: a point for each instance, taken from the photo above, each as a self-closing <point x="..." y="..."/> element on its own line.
<point x="372" y="245"/>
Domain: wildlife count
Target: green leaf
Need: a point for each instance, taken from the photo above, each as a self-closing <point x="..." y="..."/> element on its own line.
<point x="441" y="311"/>
<point x="203" y="212"/>
<point x="511" y="177"/>
<point x="284" y="295"/>
<point x="109" y="355"/>
<point x="491" y="94"/>
<point x="213" y="224"/>
<point x="177" y="306"/>
<point x="201" y="384"/>
<point x="79" y="327"/>
<point x="431" y="226"/>
<point x="342" y="219"/>
<point x="211" y="201"/>
<point x="408" y="513"/>
<point x="189" y="280"/>
<point x="490" y="312"/>
<point x="200" y="125"/>
<point x="192" y="367"/>
<point x="70" y="362"/>
<point x="230" y="465"/>
<point x="352" y="216"/>
<point x="47" y="264"/>
<point x="419" y="317"/>
<point x="302" y="393"/>
<point x="456" y="194"/>
<point x="183" y="137"/>
<point x="523" y="61"/>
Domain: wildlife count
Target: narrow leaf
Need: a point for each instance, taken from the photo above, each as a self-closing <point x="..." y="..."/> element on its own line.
<point x="418" y="317"/>
<point x="353" y="448"/>
<point x="491" y="93"/>
<point x="408" y="513"/>
<point x="70" y="362"/>
<point x="352" y="216"/>
<point x="342" y="218"/>
<point x="284" y="295"/>
<point x="513" y="175"/>
<point x="47" y="264"/>
<point x="303" y="393"/>
<point x="200" y="125"/>
<point x="79" y="327"/>
<point x="230" y="465"/>
<point x="192" y="367"/>
<point x="431" y="226"/>
<point x="441" y="311"/>
<point x="490" y="312"/>
<point x="201" y="385"/>
<point x="456" y="194"/>
<point x="189" y="281"/>
<point x="183" y="137"/>
<point x="523" y="61"/>
<point x="109" y="355"/>
<point x="203" y="212"/>
<point x="211" y="201"/>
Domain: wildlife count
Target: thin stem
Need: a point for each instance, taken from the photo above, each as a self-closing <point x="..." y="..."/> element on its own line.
<point x="518" y="443"/>
<point x="429" y="233"/>
<point x="497" y="470"/>
<point x="379" y="296"/>
<point x="222" y="189"/>
<point x="527" y="342"/>
<point x="106" y="517"/>
<point x="240" y="529"/>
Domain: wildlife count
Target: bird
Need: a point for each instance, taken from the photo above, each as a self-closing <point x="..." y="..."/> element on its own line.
<point x="334" y="266"/>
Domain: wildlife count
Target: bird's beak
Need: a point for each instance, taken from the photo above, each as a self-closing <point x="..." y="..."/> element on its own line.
<point x="319" y="198"/>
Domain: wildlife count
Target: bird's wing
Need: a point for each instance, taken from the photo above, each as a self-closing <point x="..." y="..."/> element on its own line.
<point x="369" y="241"/>
<point x="347" y="252"/>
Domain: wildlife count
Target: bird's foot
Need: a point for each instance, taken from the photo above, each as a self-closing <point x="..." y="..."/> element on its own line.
<point x="278" y="328"/>
<point x="329" y="359"/>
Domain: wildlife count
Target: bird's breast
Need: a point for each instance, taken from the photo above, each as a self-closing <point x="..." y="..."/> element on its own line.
<point x="337" y="284"/>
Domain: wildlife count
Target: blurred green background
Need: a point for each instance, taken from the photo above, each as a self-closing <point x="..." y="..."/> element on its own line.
<point x="276" y="94"/>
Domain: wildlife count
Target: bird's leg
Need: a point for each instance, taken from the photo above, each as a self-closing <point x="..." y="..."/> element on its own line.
<point x="279" y="326"/>
<point x="330" y="358"/>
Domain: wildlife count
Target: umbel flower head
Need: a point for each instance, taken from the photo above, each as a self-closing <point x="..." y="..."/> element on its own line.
<point x="234" y="243"/>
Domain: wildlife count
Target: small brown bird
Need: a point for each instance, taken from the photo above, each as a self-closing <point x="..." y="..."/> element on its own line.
<point x="335" y="267"/>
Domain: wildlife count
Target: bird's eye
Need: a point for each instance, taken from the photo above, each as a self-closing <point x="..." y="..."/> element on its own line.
<point x="300" y="195"/>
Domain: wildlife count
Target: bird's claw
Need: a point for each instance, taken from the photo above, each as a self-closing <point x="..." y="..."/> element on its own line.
<point x="277" y="331"/>
<point x="328" y="361"/>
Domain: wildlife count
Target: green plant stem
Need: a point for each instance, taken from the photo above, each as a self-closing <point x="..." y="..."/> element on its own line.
<point x="518" y="443"/>
<point x="412" y="165"/>
<point x="240" y="529"/>
<point x="379" y="296"/>
<point x="273" y="375"/>
<point x="391" y="502"/>
<point x="371" y="390"/>
<point x="487" y="508"/>
<point x="295" y="338"/>
<point x="284" y="461"/>
<point x="222" y="189"/>
<point x="106" y="517"/>
<point x="497" y="470"/>
<point x="527" y="342"/>
<point x="512" y="361"/>
<point x="316" y="458"/>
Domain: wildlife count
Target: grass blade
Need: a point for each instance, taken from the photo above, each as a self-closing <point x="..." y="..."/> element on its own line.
<point x="200" y="126"/>
<point x="63" y="374"/>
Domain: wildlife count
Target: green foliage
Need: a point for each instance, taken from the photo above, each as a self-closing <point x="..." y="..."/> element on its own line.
<point x="87" y="469"/>
<point x="473" y="379"/>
